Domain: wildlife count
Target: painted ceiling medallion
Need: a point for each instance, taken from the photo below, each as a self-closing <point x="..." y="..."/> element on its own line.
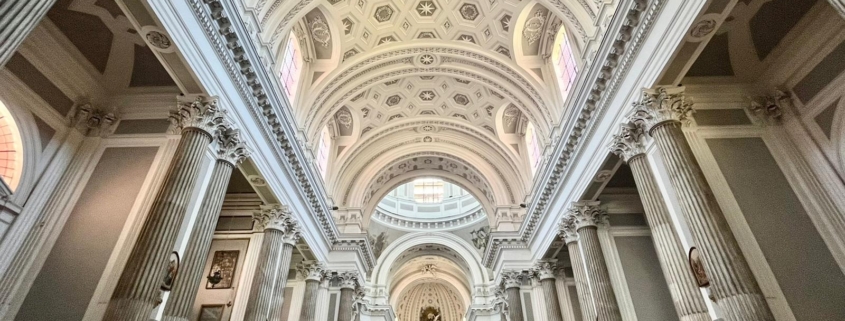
<point x="344" y="118"/>
<point x="383" y="13"/>
<point x="426" y="8"/>
<point x="427" y="95"/>
<point x="427" y="59"/>
<point x="347" y="25"/>
<point x="385" y="40"/>
<point x="320" y="31"/>
<point x="467" y="38"/>
<point x="469" y="11"/>
<point x="534" y="27"/>
<point x="506" y="22"/>
<point x="461" y="99"/>
<point x="349" y="53"/>
<point x="426" y="35"/>
<point x="393" y="100"/>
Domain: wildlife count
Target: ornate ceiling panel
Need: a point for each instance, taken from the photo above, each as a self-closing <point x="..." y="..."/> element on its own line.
<point x="371" y="24"/>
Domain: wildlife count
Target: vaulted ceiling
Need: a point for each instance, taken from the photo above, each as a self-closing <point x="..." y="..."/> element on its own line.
<point x="440" y="88"/>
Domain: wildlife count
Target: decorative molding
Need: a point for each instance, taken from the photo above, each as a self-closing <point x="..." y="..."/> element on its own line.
<point x="639" y="19"/>
<point x="349" y="280"/>
<point x="544" y="270"/>
<point x="586" y="214"/>
<point x="511" y="279"/>
<point x="567" y="229"/>
<point x="277" y="217"/>
<point x="91" y="121"/>
<point x="661" y="105"/>
<point x="629" y="142"/>
<point x="223" y="33"/>
<point x="313" y="271"/>
<point x="769" y="109"/>
<point x="198" y="112"/>
<point x="230" y="148"/>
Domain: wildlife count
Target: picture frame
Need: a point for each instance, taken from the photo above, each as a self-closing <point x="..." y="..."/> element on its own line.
<point x="171" y="270"/>
<point x="697" y="268"/>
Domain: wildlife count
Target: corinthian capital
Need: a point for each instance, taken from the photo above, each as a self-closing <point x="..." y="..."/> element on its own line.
<point x="586" y="213"/>
<point x="277" y="217"/>
<point x="629" y="142"/>
<point x="568" y="231"/>
<point x="511" y="279"/>
<point x="91" y="121"/>
<point x="544" y="270"/>
<point x="661" y="105"/>
<point x="197" y="112"/>
<point x="348" y="280"/>
<point x="313" y="271"/>
<point x="230" y="148"/>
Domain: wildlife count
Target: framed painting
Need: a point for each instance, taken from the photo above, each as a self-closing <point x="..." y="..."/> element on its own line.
<point x="222" y="272"/>
<point x="697" y="268"/>
<point x="172" y="269"/>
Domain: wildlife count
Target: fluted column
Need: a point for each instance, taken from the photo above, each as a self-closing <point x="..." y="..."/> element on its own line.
<point x="732" y="284"/>
<point x="839" y="5"/>
<point x="138" y="289"/>
<point x="314" y="274"/>
<point x="673" y="259"/>
<point x="511" y="282"/>
<point x="17" y="19"/>
<point x="348" y="286"/>
<point x="586" y="215"/>
<point x="545" y="271"/>
<point x="230" y="153"/>
<point x="582" y="285"/>
<point x="281" y="231"/>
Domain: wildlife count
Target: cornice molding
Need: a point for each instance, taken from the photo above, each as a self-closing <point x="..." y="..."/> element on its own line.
<point x="224" y="31"/>
<point x="621" y="46"/>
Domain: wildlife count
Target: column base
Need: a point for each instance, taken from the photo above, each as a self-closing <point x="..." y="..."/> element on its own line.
<point x="129" y="310"/>
<point x="745" y="307"/>
<point x="697" y="317"/>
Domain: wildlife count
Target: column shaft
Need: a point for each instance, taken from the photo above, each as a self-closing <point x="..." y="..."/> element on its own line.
<point x="344" y="312"/>
<point x="258" y="306"/>
<point x="514" y="304"/>
<point x="732" y="283"/>
<point x="138" y="288"/>
<point x="551" y="299"/>
<point x="607" y="309"/>
<point x="582" y="286"/>
<point x="277" y="299"/>
<point x="17" y="19"/>
<point x="688" y="300"/>
<point x="180" y="304"/>
<point x="309" y="307"/>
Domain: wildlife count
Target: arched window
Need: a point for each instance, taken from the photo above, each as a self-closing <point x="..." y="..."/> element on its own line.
<point x="533" y="147"/>
<point x="323" y="151"/>
<point x="564" y="63"/>
<point x="11" y="149"/>
<point x="428" y="190"/>
<point x="291" y="67"/>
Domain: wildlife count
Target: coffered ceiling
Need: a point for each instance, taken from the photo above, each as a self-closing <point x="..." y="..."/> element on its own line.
<point x="439" y="88"/>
